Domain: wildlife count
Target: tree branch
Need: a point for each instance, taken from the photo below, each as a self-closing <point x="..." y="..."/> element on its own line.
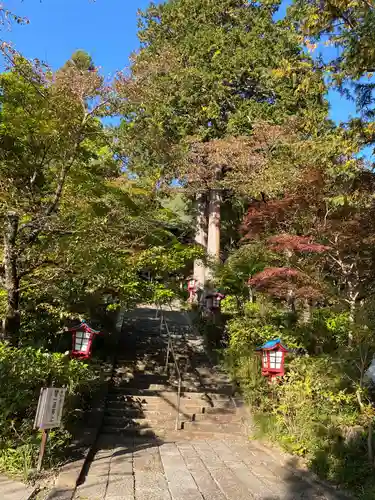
<point x="32" y="268"/>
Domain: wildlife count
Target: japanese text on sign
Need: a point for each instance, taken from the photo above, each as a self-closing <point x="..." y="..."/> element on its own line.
<point x="50" y="408"/>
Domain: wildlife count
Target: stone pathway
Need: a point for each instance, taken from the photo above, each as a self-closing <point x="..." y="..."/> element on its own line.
<point x="14" y="490"/>
<point x="142" y="456"/>
<point x="198" y="469"/>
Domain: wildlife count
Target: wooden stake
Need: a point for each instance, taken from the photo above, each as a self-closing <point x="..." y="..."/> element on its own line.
<point x="42" y="449"/>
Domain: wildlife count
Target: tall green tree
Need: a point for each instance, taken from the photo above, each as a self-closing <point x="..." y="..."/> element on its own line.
<point x="347" y="24"/>
<point x="208" y="70"/>
<point x="50" y="133"/>
<point x="207" y="88"/>
<point x="349" y="27"/>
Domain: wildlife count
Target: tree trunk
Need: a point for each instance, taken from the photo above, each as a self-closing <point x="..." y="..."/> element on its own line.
<point x="213" y="240"/>
<point x="201" y="239"/>
<point x="11" y="323"/>
<point x="370" y="451"/>
<point x="290" y="296"/>
<point x="352" y="301"/>
<point x="305" y="317"/>
<point x="291" y="301"/>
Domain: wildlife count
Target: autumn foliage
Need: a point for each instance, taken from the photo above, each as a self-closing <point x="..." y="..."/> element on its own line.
<point x="295" y="243"/>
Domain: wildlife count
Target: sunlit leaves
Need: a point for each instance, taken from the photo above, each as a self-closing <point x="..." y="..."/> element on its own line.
<point x="210" y="71"/>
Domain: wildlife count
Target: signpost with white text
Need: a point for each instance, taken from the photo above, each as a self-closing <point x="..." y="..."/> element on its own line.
<point x="48" y="415"/>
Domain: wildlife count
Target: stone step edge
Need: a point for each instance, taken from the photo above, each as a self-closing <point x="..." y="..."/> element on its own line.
<point x="202" y="417"/>
<point x="165" y="432"/>
<point x="171" y="390"/>
<point x="204" y="410"/>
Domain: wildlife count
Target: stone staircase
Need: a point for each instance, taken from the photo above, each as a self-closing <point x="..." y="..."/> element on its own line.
<point x="140" y="455"/>
<point x="143" y="399"/>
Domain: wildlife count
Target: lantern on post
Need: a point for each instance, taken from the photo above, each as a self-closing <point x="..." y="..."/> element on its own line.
<point x="192" y="288"/>
<point x="82" y="336"/>
<point x="213" y="301"/>
<point x="273" y="358"/>
<point x="216" y="300"/>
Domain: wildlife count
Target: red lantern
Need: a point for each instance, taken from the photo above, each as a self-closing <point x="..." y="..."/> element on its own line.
<point x="192" y="289"/>
<point x="83" y="337"/>
<point x="192" y="284"/>
<point x="273" y="358"/>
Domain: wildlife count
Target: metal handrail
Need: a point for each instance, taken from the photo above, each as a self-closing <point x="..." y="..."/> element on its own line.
<point x="170" y="348"/>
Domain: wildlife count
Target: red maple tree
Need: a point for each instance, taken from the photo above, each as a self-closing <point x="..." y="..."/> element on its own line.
<point x="285" y="283"/>
<point x="295" y="243"/>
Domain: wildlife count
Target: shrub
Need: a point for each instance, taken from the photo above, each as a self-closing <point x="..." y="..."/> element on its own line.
<point x="23" y="372"/>
<point x="313" y="412"/>
<point x="320" y="410"/>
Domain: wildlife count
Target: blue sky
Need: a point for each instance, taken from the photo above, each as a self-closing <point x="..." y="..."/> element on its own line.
<point x="107" y="29"/>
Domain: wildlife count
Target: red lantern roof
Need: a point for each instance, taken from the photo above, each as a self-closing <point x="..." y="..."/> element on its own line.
<point x="83" y="326"/>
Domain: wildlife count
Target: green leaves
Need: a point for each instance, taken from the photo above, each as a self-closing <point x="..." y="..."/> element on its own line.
<point x="209" y="70"/>
<point x="349" y="26"/>
<point x="243" y="263"/>
<point x="22" y="373"/>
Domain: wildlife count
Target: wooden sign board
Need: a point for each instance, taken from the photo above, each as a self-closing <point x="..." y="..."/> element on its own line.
<point x="50" y="408"/>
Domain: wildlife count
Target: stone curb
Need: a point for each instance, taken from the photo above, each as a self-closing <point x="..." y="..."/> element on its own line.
<point x="71" y="473"/>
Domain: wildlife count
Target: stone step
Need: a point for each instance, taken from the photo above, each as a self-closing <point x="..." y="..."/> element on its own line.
<point x="217" y="396"/>
<point x="219" y="410"/>
<point x="154" y="372"/>
<point x="211" y="395"/>
<point x="135" y="387"/>
<point x="153" y="390"/>
<point x="223" y="418"/>
<point x="189" y="435"/>
<point x="166" y="396"/>
<point x="155" y="361"/>
<point x="151" y="377"/>
<point x="146" y="433"/>
<point x="169" y="392"/>
<point x="238" y="402"/>
<point x="163" y="408"/>
<point x="148" y="402"/>
<point x="124" y="423"/>
<point x="130" y="412"/>
<point x="147" y="366"/>
<point x="170" y="399"/>
<point x="224" y="390"/>
<point x="207" y="427"/>
<point x="148" y="389"/>
<point x="169" y="406"/>
<point x="156" y="404"/>
<point x="129" y="431"/>
<point x="149" y="413"/>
